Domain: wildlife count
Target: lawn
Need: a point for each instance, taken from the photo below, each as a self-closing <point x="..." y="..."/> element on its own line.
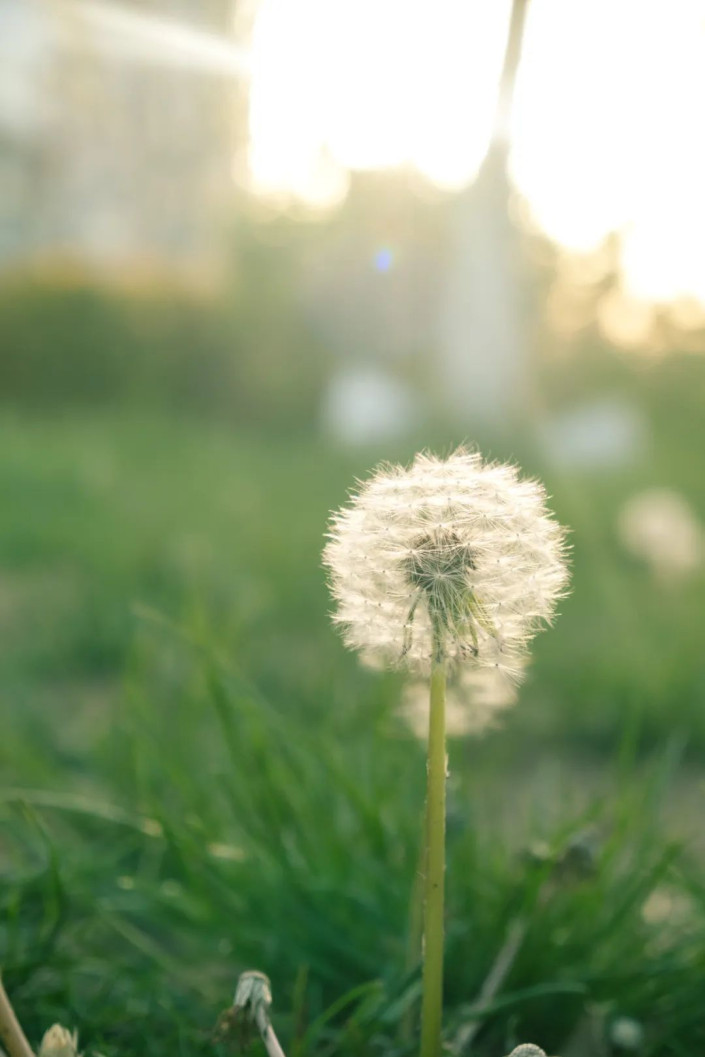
<point x="198" y="779"/>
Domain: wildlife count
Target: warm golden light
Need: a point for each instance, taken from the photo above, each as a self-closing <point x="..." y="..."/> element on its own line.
<point x="605" y="135"/>
<point x="369" y="84"/>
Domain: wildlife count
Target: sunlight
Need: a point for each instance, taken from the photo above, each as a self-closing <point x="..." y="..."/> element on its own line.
<point x="605" y="129"/>
<point x="370" y="84"/>
<point x="605" y="132"/>
<point x="606" y="135"/>
<point x="112" y="29"/>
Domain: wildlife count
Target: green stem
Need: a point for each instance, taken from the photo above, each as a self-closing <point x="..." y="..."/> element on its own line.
<point x="432" y="985"/>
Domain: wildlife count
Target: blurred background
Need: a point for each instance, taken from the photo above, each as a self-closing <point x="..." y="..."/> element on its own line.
<point x="247" y="249"/>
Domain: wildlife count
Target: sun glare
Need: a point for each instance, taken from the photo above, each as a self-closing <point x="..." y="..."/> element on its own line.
<point x="605" y="131"/>
<point x="340" y="85"/>
<point x="606" y="135"/>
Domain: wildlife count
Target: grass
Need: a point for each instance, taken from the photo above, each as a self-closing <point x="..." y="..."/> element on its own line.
<point x="198" y="779"/>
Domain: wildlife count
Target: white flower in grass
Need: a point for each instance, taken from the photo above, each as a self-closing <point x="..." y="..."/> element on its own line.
<point x="454" y="558"/>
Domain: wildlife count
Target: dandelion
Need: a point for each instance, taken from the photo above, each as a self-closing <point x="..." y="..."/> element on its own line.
<point x="452" y="558"/>
<point x="448" y="566"/>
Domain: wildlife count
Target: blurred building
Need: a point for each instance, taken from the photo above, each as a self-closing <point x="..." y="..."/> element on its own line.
<point x="116" y="132"/>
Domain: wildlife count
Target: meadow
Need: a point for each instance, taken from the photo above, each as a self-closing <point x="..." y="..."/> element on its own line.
<point x="198" y="779"/>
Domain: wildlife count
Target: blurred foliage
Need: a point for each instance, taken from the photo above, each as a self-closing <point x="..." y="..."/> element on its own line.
<point x="241" y="352"/>
<point x="102" y="514"/>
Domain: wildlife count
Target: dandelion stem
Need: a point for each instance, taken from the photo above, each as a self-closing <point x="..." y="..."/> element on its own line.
<point x="11" y="1034"/>
<point x="432" y="984"/>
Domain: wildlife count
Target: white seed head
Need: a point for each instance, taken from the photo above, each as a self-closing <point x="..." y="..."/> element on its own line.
<point x="452" y="557"/>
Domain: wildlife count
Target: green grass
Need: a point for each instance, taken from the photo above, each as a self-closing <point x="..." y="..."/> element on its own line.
<point x="198" y="779"/>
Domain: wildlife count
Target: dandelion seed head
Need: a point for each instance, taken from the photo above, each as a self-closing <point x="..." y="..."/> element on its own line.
<point x="453" y="554"/>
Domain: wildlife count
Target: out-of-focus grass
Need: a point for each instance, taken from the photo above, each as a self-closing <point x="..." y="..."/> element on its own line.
<point x="103" y="517"/>
<point x="199" y="779"/>
<point x="228" y="832"/>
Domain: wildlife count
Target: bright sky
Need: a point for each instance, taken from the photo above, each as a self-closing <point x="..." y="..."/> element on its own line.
<point x="607" y="130"/>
